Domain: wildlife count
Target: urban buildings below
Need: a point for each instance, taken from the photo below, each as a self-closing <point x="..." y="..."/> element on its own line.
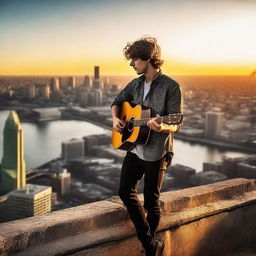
<point x="61" y="183"/>
<point x="213" y="124"/>
<point x="247" y="168"/>
<point x="44" y="92"/>
<point x="95" y="97"/>
<point x="29" y="201"/>
<point x="72" y="82"/>
<point x="84" y="97"/>
<point x="87" y="82"/>
<point x="94" y="170"/>
<point x="97" y="83"/>
<point x="72" y="149"/>
<point x="12" y="168"/>
<point x="45" y="114"/>
<point x="203" y="178"/>
<point x="96" y="72"/>
<point x="55" y="84"/>
<point x="31" y="92"/>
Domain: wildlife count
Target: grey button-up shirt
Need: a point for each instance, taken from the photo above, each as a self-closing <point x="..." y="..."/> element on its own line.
<point x="164" y="97"/>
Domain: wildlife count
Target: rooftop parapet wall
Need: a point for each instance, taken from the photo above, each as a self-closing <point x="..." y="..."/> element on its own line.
<point x="195" y="221"/>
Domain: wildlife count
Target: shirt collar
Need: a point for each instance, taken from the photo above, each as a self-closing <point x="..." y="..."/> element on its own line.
<point x="156" y="78"/>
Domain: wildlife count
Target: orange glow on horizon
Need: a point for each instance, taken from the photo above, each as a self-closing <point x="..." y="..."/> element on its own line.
<point x="119" y="67"/>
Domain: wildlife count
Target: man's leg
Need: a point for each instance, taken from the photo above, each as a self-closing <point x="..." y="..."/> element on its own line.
<point x="132" y="172"/>
<point x="154" y="175"/>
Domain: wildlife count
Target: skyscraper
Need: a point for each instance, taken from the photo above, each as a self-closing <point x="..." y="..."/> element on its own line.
<point x="31" y="92"/>
<point x="213" y="124"/>
<point x="97" y="83"/>
<point x="96" y="72"/>
<point x="96" y="97"/>
<point x="44" y="91"/>
<point x="61" y="183"/>
<point x="55" y="84"/>
<point x="87" y="82"/>
<point x="13" y="171"/>
<point x="73" y="82"/>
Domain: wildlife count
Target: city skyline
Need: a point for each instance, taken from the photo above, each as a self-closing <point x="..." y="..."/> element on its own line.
<point x="64" y="38"/>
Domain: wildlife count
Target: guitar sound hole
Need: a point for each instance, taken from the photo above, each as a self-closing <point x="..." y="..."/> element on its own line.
<point x="127" y="130"/>
<point x="130" y="125"/>
<point x="126" y="134"/>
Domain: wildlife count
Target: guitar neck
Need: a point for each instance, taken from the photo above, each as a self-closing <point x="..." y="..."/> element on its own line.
<point x="170" y="119"/>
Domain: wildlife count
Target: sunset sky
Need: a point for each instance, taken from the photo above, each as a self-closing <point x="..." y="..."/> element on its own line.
<point x="69" y="37"/>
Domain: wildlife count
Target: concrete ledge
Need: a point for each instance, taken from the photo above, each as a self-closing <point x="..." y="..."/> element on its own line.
<point x="83" y="229"/>
<point x="21" y="234"/>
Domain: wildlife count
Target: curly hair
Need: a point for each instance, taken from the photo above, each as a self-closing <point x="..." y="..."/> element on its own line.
<point x="145" y="48"/>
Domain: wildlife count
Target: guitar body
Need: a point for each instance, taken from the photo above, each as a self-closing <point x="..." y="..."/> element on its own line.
<point x="131" y="135"/>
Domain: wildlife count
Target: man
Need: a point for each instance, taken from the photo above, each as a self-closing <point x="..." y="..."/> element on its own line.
<point x="163" y="96"/>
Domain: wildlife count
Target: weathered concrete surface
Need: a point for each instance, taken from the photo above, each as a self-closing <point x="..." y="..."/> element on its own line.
<point x="22" y="234"/>
<point x="210" y="220"/>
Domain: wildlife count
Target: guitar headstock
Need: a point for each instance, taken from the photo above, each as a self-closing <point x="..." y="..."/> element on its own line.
<point x="173" y="118"/>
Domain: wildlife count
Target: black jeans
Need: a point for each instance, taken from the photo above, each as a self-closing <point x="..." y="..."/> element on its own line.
<point x="132" y="171"/>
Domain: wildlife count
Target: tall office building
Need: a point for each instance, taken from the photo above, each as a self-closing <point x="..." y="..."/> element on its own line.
<point x="55" y="84"/>
<point x="13" y="170"/>
<point x="61" y="183"/>
<point x="45" y="91"/>
<point x="97" y="83"/>
<point x="31" y="92"/>
<point x="64" y="82"/>
<point x="106" y="83"/>
<point x="72" y="82"/>
<point x="29" y="201"/>
<point x="87" y="82"/>
<point x="72" y="149"/>
<point x="213" y="124"/>
<point x="96" y="97"/>
<point x="84" y="97"/>
<point x="96" y="72"/>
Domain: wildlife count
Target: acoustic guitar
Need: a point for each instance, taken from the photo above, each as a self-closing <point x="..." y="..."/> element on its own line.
<point x="136" y="130"/>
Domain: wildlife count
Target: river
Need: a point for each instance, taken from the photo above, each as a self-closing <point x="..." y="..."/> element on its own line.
<point x="42" y="142"/>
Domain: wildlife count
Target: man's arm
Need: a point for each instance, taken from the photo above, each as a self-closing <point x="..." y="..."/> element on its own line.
<point x="118" y="124"/>
<point x="174" y="105"/>
<point x="166" y="128"/>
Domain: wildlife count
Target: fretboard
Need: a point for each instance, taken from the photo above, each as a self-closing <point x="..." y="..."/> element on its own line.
<point x="170" y="119"/>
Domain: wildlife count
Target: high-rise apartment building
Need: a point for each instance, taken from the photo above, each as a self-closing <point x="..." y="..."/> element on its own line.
<point x="13" y="170"/>
<point x="96" y="72"/>
<point x="45" y="91"/>
<point x="72" y="149"/>
<point x="72" y="82"/>
<point x="29" y="201"/>
<point x="87" y="82"/>
<point x="55" y="84"/>
<point x="31" y="92"/>
<point x="61" y="183"/>
<point x="213" y="124"/>
<point x="97" y="83"/>
<point x="96" y="97"/>
<point x="84" y="97"/>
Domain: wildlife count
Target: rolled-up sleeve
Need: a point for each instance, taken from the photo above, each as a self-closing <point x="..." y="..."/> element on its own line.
<point x="126" y="94"/>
